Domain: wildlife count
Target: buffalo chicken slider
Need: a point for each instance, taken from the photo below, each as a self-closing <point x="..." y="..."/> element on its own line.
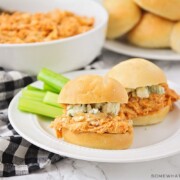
<point x="91" y="114"/>
<point x="150" y="98"/>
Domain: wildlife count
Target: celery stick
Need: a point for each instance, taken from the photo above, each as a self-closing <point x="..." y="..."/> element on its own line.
<point x="40" y="108"/>
<point x="32" y="94"/>
<point x="54" y="80"/>
<point x="30" y="87"/>
<point x="46" y="87"/>
<point x="51" y="99"/>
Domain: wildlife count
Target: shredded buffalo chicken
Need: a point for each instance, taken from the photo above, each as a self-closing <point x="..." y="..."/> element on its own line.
<point x="144" y="106"/>
<point x="106" y="123"/>
<point x="99" y="123"/>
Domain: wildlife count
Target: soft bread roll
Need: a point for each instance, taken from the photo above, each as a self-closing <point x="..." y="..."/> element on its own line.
<point x="99" y="141"/>
<point x="169" y="9"/>
<point x="175" y="38"/>
<point x="151" y="32"/>
<point x="137" y="72"/>
<point x="155" y="118"/>
<point x="123" y="16"/>
<point x="90" y="89"/>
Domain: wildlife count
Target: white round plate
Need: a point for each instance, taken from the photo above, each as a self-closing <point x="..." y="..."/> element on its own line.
<point x="150" y="142"/>
<point x="123" y="47"/>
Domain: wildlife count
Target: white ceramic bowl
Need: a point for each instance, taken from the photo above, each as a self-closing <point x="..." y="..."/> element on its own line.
<point x="60" y="55"/>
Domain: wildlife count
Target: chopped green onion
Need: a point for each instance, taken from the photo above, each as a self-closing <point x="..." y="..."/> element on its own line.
<point x="52" y="79"/>
<point x="51" y="99"/>
<point x="40" y="108"/>
<point x="33" y="94"/>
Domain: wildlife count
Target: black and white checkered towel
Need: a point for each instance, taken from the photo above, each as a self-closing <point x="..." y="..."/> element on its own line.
<point x="17" y="156"/>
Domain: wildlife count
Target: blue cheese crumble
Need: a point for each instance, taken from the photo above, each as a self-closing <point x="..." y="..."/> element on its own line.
<point x="108" y="108"/>
<point x="144" y="92"/>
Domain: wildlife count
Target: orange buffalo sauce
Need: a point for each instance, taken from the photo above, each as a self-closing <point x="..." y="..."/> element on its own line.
<point x="106" y="123"/>
<point x="145" y="106"/>
<point x="98" y="123"/>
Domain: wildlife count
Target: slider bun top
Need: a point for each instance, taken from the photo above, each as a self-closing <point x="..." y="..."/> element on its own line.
<point x="123" y="15"/>
<point x="169" y="9"/>
<point x="89" y="89"/>
<point x="151" y="32"/>
<point x="136" y="72"/>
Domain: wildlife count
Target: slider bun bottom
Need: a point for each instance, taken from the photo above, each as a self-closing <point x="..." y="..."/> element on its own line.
<point x="99" y="141"/>
<point x="151" y="119"/>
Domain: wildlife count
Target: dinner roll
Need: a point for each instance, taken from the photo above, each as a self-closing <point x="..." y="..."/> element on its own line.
<point x="169" y="9"/>
<point x="123" y="16"/>
<point x="136" y="72"/>
<point x="90" y="89"/>
<point x="151" y="32"/>
<point x="175" y="38"/>
<point x="153" y="118"/>
<point x="99" y="141"/>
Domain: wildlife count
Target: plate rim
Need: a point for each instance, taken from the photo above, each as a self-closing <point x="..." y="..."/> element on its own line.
<point x="143" y="159"/>
<point x="109" y="46"/>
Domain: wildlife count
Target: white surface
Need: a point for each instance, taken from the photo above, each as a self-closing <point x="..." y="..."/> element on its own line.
<point x="148" y="143"/>
<point x="60" y="55"/>
<point x="123" y="47"/>
<point x="70" y="169"/>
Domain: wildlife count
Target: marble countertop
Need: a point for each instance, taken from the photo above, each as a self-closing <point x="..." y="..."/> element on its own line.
<point x="71" y="169"/>
<point x="167" y="168"/>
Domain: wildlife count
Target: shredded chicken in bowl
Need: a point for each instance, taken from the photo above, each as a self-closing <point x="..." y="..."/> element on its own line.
<point x="21" y="27"/>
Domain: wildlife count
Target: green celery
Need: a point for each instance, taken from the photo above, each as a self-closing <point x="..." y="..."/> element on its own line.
<point x="46" y="87"/>
<point x="52" y="79"/>
<point x="30" y="87"/>
<point x="39" y="108"/>
<point x="51" y="99"/>
<point x="33" y="94"/>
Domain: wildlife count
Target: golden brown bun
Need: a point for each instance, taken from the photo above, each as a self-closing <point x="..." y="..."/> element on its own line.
<point x="151" y="119"/>
<point x="175" y="38"/>
<point x="151" y="32"/>
<point x="99" y="141"/>
<point x="123" y="16"/>
<point x="88" y="89"/>
<point x="169" y="9"/>
<point x="137" y="72"/>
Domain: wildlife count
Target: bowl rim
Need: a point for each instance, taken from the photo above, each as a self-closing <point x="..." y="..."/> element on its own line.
<point x="71" y="38"/>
